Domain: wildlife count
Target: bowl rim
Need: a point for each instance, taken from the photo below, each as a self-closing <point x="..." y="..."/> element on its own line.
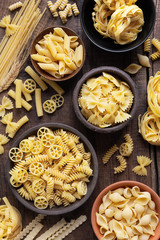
<point x="43" y="73"/>
<point x="55" y="210"/>
<point x="119" y="50"/>
<point x="113" y="186"/>
<point x="95" y="71"/>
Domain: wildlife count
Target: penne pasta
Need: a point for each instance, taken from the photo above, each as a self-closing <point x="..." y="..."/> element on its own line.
<point x="66" y="44"/>
<point x="61" y="67"/>
<point x="79" y="55"/>
<point x="41" y="58"/>
<point x="48" y="66"/>
<point x="70" y="63"/>
<point x="59" y="31"/>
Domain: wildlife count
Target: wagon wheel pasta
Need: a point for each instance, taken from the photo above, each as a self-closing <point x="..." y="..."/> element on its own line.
<point x="49" y="106"/>
<point x="29" y="85"/>
<point x="57" y="175"/>
<point x="126" y="213"/>
<point x="58" y="99"/>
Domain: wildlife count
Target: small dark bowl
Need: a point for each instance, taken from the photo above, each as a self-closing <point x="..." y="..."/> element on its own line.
<point x="70" y="32"/>
<point x="95" y="73"/>
<point x="123" y="184"/>
<point x="108" y="44"/>
<point x="58" y="210"/>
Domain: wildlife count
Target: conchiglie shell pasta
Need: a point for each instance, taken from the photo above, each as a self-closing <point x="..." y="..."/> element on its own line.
<point x="144" y="60"/>
<point x="116" y="197"/>
<point x="133" y="68"/>
<point x="101" y="221"/>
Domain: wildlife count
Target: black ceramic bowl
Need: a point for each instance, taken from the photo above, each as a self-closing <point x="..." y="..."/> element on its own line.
<point x="108" y="44"/>
<point x="91" y="185"/>
<point x="96" y="72"/>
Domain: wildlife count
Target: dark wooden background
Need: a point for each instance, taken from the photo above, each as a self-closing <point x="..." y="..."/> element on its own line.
<point x="66" y="115"/>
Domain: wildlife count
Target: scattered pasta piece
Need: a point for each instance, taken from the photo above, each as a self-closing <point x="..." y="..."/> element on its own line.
<point x="63" y="14"/>
<point x="54" y="85"/>
<point x="38" y="101"/>
<point x="58" y="99"/>
<point x="20" y="123"/>
<point x="125" y="149"/>
<point x="11" y="126"/>
<point x="143" y="60"/>
<point x="109" y="153"/>
<point x="125" y="213"/>
<point x="30" y="226"/>
<point x="143" y="162"/>
<point x="122" y="166"/>
<point x="156" y="43"/>
<point x="6" y="104"/>
<point x="75" y="9"/>
<point x="10" y="28"/>
<point x="49" y="168"/>
<point x="3" y="141"/>
<point x="25" y="104"/>
<point x="128" y="139"/>
<point x="154" y="56"/>
<point x="133" y="68"/>
<point x="34" y="232"/>
<point x="63" y="4"/>
<point x="16" y="5"/>
<point x="105" y="100"/>
<point x="18" y="99"/>
<point x="147" y="45"/>
<point x="29" y="85"/>
<point x="10" y="221"/>
<point x="49" y="106"/>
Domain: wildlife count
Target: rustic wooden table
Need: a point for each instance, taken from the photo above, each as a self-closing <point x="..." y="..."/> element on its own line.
<point x="94" y="57"/>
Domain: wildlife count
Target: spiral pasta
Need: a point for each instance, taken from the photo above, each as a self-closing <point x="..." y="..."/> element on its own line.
<point x="47" y="165"/>
<point x="109" y="153"/>
<point x="147" y="45"/>
<point x="122" y="166"/>
<point x="16" y="5"/>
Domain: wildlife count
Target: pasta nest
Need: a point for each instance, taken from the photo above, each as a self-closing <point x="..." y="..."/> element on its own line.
<point x="125" y="23"/>
<point x="114" y="4"/>
<point x="149" y="127"/>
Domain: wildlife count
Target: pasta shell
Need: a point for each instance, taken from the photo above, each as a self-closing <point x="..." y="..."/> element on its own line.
<point x="139" y="209"/>
<point x="106" y="201"/>
<point x="127" y="213"/>
<point x="116" y="197"/>
<point x="101" y="208"/>
<point x="135" y="191"/>
<point x="142" y="200"/>
<point x="133" y="68"/>
<point x="101" y="221"/>
<point x="134" y="238"/>
<point x="109" y="213"/>
<point x="127" y="193"/>
<point x="102" y="230"/>
<point x="119" y="230"/>
<point x="109" y="236"/>
<point x="144" y="237"/>
<point x="151" y="204"/>
<point x="120" y="190"/>
<point x="143" y="60"/>
<point x="137" y="229"/>
<point x="148" y="229"/>
<point x="118" y="214"/>
<point x="110" y="224"/>
<point x="145" y="220"/>
<point x="154" y="221"/>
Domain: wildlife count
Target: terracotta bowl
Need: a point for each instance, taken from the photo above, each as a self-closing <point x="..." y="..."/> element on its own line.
<point x="58" y="210"/>
<point x="95" y="73"/>
<point x="107" y="44"/>
<point x="70" y="32"/>
<point x="122" y="184"/>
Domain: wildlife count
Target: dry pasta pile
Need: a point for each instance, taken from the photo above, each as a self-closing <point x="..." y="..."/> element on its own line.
<point x="66" y="9"/>
<point x="149" y="123"/>
<point x="105" y="100"/>
<point x="127" y="213"/>
<point x="10" y="221"/>
<point x="120" y="20"/>
<point x="51" y="168"/>
<point x="58" y="53"/>
<point x="14" y="49"/>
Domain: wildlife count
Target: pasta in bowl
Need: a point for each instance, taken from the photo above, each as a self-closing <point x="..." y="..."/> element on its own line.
<point x="126" y="210"/>
<point x="105" y="99"/>
<point x="52" y="169"/>
<point x="58" y="53"/>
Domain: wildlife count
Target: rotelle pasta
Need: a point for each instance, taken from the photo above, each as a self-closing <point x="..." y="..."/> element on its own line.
<point x="127" y="213"/>
<point x="105" y="100"/>
<point x="58" y="53"/>
<point x="50" y="168"/>
<point x="119" y="20"/>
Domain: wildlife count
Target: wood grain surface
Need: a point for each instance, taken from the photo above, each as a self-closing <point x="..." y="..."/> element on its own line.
<point x="94" y="57"/>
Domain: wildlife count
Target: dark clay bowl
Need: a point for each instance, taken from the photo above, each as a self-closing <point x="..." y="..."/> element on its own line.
<point x="108" y="44"/>
<point x="123" y="184"/>
<point x="58" y="210"/>
<point x="95" y="73"/>
<point x="70" y="32"/>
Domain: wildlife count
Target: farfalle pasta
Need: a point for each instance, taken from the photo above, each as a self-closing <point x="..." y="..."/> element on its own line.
<point x="127" y="213"/>
<point x="6" y="104"/>
<point x="51" y="168"/>
<point x="6" y="23"/>
<point x="143" y="162"/>
<point x="105" y="100"/>
<point x="120" y="20"/>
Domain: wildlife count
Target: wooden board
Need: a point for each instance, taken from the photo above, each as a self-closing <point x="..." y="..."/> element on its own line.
<point x="94" y="57"/>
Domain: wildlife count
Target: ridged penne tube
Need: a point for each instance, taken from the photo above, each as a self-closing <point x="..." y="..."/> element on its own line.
<point x="66" y="44"/>
<point x="54" y="74"/>
<point x="38" y="102"/>
<point x="61" y="67"/>
<point x="25" y="104"/>
<point x="40" y="58"/>
<point x="27" y="96"/>
<point x="59" y="31"/>
<point x="70" y="63"/>
<point x="57" y="38"/>
<point x="47" y="66"/>
<point x="79" y="55"/>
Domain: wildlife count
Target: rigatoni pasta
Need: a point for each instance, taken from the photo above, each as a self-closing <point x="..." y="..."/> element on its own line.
<point x="58" y="53"/>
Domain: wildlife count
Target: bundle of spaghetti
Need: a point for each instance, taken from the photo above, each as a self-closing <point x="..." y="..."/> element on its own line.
<point x="12" y="49"/>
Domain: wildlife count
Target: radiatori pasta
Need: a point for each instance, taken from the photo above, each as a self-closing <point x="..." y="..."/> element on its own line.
<point x="120" y="20"/>
<point x="127" y="213"/>
<point x="50" y="169"/>
<point x="105" y="100"/>
<point x="58" y="53"/>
